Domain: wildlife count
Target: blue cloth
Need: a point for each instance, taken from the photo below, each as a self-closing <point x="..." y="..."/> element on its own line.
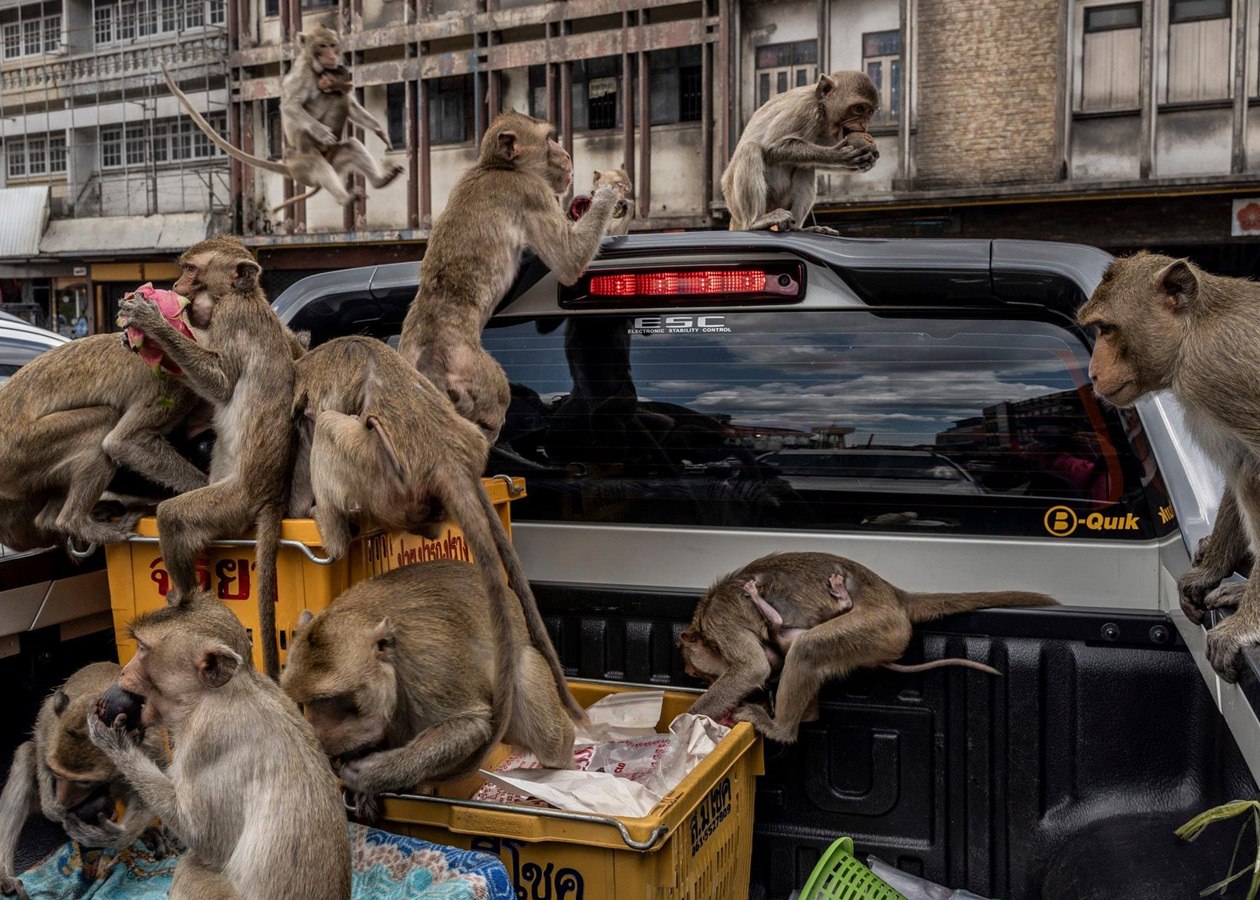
<point x="384" y="866"/>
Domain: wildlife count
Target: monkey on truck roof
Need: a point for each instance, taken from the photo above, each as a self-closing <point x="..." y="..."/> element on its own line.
<point x="770" y="182"/>
<point x="812" y="618"/>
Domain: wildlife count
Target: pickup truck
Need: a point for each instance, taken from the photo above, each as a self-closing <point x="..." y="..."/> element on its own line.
<point x="923" y="407"/>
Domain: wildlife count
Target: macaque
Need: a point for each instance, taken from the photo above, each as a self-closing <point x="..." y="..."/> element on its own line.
<point x="813" y="617"/>
<point x="316" y="102"/>
<point x="69" y="780"/>
<point x="1164" y="324"/>
<point x="247" y="790"/>
<point x="408" y="678"/>
<point x="623" y="212"/>
<point x="468" y="267"/>
<point x="71" y="417"/>
<point x="770" y="182"/>
<point x="385" y="444"/>
<point x="246" y="372"/>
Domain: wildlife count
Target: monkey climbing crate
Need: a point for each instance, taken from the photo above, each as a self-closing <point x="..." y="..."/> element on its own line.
<point x="696" y="844"/>
<point x="305" y="577"/>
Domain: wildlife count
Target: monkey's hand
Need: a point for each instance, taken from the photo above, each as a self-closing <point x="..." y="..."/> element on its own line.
<point x="759" y="719"/>
<point x="1226" y="639"/>
<point x="11" y="886"/>
<point x="114" y="739"/>
<point x="366" y="775"/>
<point x="106" y="834"/>
<point x="322" y="134"/>
<point x="136" y="312"/>
<point x="366" y="806"/>
<point x="1195" y="584"/>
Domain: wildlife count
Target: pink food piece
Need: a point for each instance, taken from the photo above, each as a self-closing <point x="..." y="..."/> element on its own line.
<point x="578" y="206"/>
<point x="171" y="305"/>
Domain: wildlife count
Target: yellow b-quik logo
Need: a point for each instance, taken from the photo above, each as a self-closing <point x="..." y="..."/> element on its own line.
<point x="1062" y="521"/>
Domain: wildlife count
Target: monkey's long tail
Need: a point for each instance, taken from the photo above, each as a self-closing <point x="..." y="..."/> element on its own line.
<point x="217" y="139"/>
<point x="267" y="540"/>
<point x="941" y="664"/>
<point x="926" y="607"/>
<point x="279" y="206"/>
<point x="533" y="618"/>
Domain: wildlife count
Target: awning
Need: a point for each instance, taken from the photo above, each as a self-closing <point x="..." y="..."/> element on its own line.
<point x="25" y="212"/>
<point x="111" y="236"/>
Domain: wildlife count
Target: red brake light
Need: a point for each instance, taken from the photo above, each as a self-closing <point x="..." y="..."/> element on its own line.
<point x="665" y="284"/>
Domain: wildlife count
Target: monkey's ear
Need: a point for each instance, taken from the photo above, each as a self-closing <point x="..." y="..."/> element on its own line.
<point x="305" y="618"/>
<point x="825" y="86"/>
<point x="383" y="639"/>
<point x="60" y="701"/>
<point x="247" y="272"/>
<point x="507" y="145"/>
<point x="1179" y="283"/>
<point x="216" y="664"/>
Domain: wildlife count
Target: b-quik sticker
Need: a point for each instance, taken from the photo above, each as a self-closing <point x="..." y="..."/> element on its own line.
<point x="1063" y="521"/>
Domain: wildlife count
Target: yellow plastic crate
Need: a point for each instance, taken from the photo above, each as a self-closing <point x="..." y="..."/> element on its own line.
<point x="305" y="578"/>
<point x="696" y="844"/>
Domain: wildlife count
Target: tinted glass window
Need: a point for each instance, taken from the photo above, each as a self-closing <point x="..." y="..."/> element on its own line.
<point x="820" y="420"/>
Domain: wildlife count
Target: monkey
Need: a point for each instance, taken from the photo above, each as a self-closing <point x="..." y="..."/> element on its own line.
<point x="71" y="417"/>
<point x="407" y="677"/>
<point x="826" y="616"/>
<point x="770" y="181"/>
<point x="468" y="265"/>
<point x="623" y="213"/>
<point x="60" y="771"/>
<point x="1165" y="324"/>
<point x="246" y="373"/>
<point x="316" y="101"/>
<point x="387" y="444"/>
<point x="248" y="790"/>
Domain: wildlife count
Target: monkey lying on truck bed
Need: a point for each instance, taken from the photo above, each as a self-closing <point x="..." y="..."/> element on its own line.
<point x="833" y="616"/>
<point x="74" y="784"/>
<point x="247" y="790"/>
<point x="406" y="676"/>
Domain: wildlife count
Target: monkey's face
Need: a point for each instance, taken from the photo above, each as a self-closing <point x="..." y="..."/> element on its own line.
<point x="322" y="47"/>
<point x="335" y="81"/>
<point x="1138" y="314"/>
<point x="849" y="100"/>
<point x="173" y="666"/>
<point x="559" y="166"/>
<point x="344" y="680"/>
<point x="699" y="660"/>
<point x="78" y="767"/>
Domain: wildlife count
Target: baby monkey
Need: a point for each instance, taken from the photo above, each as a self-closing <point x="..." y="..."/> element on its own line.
<point x="813" y="617"/>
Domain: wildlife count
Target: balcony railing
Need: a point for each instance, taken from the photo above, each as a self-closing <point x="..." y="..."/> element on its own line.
<point x="101" y="70"/>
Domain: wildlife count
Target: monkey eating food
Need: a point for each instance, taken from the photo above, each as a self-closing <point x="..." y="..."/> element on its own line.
<point x="73" y="783"/>
<point x="409" y="678"/>
<point x="770" y="182"/>
<point x="814" y="617"/>
<point x="623" y="212"/>
<point x="1164" y="324"/>
<point x="248" y="790"/>
<point x="468" y="266"/>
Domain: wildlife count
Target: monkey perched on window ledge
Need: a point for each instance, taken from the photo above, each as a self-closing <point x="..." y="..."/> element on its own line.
<point x="770" y="183"/>
<point x="816" y="617"/>
<point x="1164" y="324"/>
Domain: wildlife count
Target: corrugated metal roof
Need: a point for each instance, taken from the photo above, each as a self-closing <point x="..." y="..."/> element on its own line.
<point x="22" y="224"/>
<point x="123" y="234"/>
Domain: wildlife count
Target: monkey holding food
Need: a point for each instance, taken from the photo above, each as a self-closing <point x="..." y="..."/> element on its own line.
<point x="817" y="617"/>
<point x="770" y="182"/>
<point x="623" y="213"/>
<point x="72" y="782"/>
<point x="386" y="446"/>
<point x="1165" y="324"/>
<point x="407" y="677"/>
<point x="503" y="204"/>
<point x="245" y="372"/>
<point x="247" y="790"/>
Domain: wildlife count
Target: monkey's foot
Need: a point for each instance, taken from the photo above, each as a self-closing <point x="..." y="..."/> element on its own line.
<point x="758" y="718"/>
<point x="775" y="220"/>
<point x="1226" y="596"/>
<point x="1194" y="586"/>
<point x="821" y="229"/>
<point x="1226" y="639"/>
<point x="366" y="806"/>
<point x="11" y="886"/>
<point x="750" y="588"/>
<point x="106" y="834"/>
<point x="392" y="171"/>
<point x="161" y="842"/>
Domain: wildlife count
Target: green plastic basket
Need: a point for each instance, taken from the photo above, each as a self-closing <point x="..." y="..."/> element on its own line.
<point x="839" y="876"/>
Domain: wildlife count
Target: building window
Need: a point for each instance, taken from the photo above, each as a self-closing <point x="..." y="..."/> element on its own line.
<point x="36" y="156"/>
<point x="52" y="33"/>
<point x="674" y="86"/>
<point x="104" y="17"/>
<point x="881" y="61"/>
<point x="396" y="110"/>
<point x="194" y="15"/>
<point x="1198" y="50"/>
<point x="602" y="77"/>
<point x="275" y="132"/>
<point x="781" y="67"/>
<point x="308" y="5"/>
<point x="57" y="154"/>
<point x="1110" y="57"/>
<point x="135" y="145"/>
<point x="172" y="140"/>
<point x="538" y="92"/>
<point x="116" y="22"/>
<point x="31" y="38"/>
<point x="12" y="41"/>
<point x="126" y="21"/>
<point x="450" y="102"/>
<point x="170" y="15"/>
<point x="111" y="148"/>
<point x="146" y="18"/>
<point x="16" y="152"/>
<point x="690" y="101"/>
<point x="218" y="12"/>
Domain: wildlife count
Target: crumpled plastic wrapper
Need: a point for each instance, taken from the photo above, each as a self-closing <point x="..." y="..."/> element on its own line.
<point x="622" y="766"/>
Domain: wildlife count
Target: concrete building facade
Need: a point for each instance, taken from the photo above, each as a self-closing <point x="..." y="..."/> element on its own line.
<point x="1121" y="124"/>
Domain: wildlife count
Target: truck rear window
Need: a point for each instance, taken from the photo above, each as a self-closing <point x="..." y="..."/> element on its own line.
<point x="829" y="420"/>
